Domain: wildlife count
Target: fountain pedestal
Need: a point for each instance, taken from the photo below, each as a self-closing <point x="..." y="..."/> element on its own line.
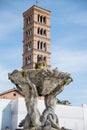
<point x="34" y="82"/>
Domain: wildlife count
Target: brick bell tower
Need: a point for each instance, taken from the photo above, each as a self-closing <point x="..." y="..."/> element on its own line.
<point x="36" y="37"/>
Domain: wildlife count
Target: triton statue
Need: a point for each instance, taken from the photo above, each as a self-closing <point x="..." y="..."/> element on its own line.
<point x="44" y="82"/>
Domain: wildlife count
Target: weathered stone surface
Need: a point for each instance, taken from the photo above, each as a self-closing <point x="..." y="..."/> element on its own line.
<point x="46" y="82"/>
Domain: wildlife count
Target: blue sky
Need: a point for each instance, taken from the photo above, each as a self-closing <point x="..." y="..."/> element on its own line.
<point x="68" y="42"/>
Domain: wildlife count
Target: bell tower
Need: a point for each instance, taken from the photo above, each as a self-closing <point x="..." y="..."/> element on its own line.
<point x="36" y="37"/>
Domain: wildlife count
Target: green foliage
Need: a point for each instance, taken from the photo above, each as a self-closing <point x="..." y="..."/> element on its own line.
<point x="40" y="64"/>
<point x="63" y="102"/>
<point x="52" y="92"/>
<point x="39" y="90"/>
<point x="64" y="81"/>
<point x="59" y="101"/>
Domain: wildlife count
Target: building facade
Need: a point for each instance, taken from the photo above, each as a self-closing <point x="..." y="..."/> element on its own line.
<point x="36" y="37"/>
<point x="11" y="94"/>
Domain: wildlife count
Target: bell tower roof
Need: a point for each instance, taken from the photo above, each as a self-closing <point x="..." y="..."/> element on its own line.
<point x="36" y="7"/>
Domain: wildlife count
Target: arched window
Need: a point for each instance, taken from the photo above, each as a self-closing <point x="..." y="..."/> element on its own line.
<point x="38" y="31"/>
<point x="29" y="19"/>
<point x="28" y="60"/>
<point x="44" y="46"/>
<point x="38" y="18"/>
<point x="41" y="45"/>
<point x="44" y="20"/>
<point x="38" y="45"/>
<point x="39" y="58"/>
<point x="44" y="33"/>
<point x="41" y="19"/>
<point x="29" y="32"/>
<point x="44" y="58"/>
<point x="41" y="31"/>
<point x="29" y="46"/>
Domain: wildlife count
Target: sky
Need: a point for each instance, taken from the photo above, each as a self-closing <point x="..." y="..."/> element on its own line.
<point x="68" y="42"/>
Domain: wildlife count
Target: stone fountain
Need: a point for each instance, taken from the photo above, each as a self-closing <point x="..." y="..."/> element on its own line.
<point x="33" y="83"/>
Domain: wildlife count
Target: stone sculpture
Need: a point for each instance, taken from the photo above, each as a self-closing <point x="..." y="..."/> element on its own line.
<point x="34" y="82"/>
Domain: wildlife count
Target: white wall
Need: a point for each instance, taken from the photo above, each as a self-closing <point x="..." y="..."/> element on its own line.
<point x="70" y="117"/>
<point x="18" y="111"/>
<point x="0" y="118"/>
<point x="22" y="112"/>
<point x="5" y="113"/>
<point x="85" y="116"/>
<point x="14" y="114"/>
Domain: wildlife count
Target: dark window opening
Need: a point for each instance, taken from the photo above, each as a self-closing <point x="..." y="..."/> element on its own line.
<point x="44" y="32"/>
<point x="38" y="45"/>
<point x="29" y="32"/>
<point x="44" y="19"/>
<point x="41" y="31"/>
<point x="41" y="19"/>
<point x="38" y="31"/>
<point x="29" y="19"/>
<point x="29" y="46"/>
<point x="44" y="46"/>
<point x="14" y="94"/>
<point x="39" y="58"/>
<point x="28" y="60"/>
<point x="44" y="59"/>
<point x="41" y="47"/>
<point x="38" y="17"/>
